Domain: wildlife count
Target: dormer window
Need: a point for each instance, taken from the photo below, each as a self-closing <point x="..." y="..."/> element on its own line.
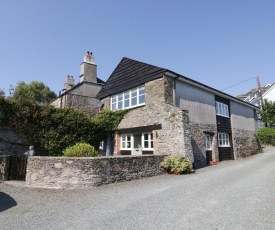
<point x="128" y="99"/>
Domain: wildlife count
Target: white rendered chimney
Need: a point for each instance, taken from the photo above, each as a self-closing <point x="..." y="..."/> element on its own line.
<point x="88" y="69"/>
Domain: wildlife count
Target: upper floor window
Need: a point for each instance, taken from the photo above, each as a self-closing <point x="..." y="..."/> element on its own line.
<point x="223" y="140"/>
<point x="129" y="99"/>
<point x="222" y="109"/>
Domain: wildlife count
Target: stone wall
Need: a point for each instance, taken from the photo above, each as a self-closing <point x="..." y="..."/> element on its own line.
<point x="244" y="143"/>
<point x="4" y="167"/>
<point x="82" y="97"/>
<point x="84" y="103"/>
<point x="174" y="135"/>
<point x="80" y="172"/>
<point x="10" y="142"/>
<point x="198" y="132"/>
<point x="106" y="103"/>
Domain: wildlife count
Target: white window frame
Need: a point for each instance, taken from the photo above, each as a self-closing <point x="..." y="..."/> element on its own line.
<point x="208" y="142"/>
<point x="223" y="140"/>
<point x="101" y="145"/>
<point x="150" y="141"/>
<point x="122" y="140"/>
<point x="222" y="109"/>
<point x="139" y="94"/>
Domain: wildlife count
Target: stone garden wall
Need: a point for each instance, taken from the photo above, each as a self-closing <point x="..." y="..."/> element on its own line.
<point x="80" y="172"/>
<point x="244" y="143"/>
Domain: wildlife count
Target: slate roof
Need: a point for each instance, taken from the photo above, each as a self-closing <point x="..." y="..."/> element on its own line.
<point x="99" y="82"/>
<point x="130" y="73"/>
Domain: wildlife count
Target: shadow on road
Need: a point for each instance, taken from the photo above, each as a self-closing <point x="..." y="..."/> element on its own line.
<point x="6" y="202"/>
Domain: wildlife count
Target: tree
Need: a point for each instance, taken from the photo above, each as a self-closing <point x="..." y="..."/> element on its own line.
<point x="2" y="93"/>
<point x="267" y="112"/>
<point x="33" y="93"/>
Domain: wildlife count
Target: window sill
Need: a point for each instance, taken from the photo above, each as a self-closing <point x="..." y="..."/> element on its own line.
<point x="132" y="107"/>
<point x="222" y="115"/>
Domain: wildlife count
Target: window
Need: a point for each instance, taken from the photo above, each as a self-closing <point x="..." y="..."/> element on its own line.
<point x="222" y="109"/>
<point x="101" y="145"/>
<point x="126" y="141"/>
<point x="147" y="141"/>
<point x="208" y="142"/>
<point x="113" y="103"/>
<point x="223" y="140"/>
<point x="128" y="99"/>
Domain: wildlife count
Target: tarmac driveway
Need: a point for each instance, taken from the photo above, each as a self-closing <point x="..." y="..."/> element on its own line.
<point x="231" y="195"/>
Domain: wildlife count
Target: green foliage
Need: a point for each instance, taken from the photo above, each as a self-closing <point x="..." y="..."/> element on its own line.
<point x="51" y="130"/>
<point x="267" y="112"/>
<point x="177" y="165"/>
<point x="107" y="122"/>
<point x="6" y="111"/>
<point x="33" y="93"/>
<point x="266" y="135"/>
<point x="259" y="144"/>
<point x="80" y="150"/>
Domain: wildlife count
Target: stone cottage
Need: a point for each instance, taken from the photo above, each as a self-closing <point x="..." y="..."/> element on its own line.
<point x="82" y="96"/>
<point x="173" y="114"/>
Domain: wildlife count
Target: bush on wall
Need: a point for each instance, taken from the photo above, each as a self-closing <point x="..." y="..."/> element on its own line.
<point x="80" y="150"/>
<point x="177" y="165"/>
<point x="51" y="130"/>
<point x="266" y="135"/>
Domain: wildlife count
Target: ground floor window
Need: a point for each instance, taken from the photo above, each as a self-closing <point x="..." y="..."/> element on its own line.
<point x="101" y="145"/>
<point x="126" y="141"/>
<point x="147" y="141"/>
<point x="208" y="142"/>
<point x="129" y="141"/>
<point x="223" y="140"/>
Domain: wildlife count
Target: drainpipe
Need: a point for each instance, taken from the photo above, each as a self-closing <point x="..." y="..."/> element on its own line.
<point x="174" y="76"/>
<point x="108" y="144"/>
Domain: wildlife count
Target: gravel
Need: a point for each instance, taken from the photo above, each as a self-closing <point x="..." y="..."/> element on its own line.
<point x="231" y="195"/>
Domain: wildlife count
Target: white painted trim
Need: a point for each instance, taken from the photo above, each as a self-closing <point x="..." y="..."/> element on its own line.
<point x="270" y="89"/>
<point x="149" y="142"/>
<point x="206" y="140"/>
<point x="131" y="135"/>
<point x="225" y="105"/>
<point x="224" y="139"/>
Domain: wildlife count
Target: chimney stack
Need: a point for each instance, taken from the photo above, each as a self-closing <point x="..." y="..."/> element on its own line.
<point x="88" y="69"/>
<point x="69" y="83"/>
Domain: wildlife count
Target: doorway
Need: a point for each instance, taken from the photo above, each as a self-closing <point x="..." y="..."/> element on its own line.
<point x="137" y="144"/>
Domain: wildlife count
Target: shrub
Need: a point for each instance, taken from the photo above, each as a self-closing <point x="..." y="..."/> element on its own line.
<point x="177" y="165"/>
<point x="259" y="144"/>
<point x="266" y="135"/>
<point x="80" y="150"/>
<point x="51" y="130"/>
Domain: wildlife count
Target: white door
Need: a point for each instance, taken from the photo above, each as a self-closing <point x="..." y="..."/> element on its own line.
<point x="137" y="145"/>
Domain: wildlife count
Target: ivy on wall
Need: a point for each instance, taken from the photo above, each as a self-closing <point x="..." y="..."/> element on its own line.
<point x="51" y="130"/>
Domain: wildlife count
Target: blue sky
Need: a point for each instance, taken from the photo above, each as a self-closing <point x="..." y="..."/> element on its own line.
<point x="216" y="42"/>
